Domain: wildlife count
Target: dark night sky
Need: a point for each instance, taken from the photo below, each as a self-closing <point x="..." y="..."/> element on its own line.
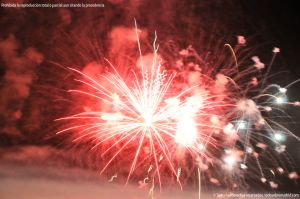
<point x="281" y="20"/>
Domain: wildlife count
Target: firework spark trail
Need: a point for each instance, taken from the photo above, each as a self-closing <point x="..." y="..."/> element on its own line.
<point x="216" y="125"/>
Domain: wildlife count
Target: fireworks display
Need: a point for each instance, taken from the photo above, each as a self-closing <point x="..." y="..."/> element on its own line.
<point x="196" y="97"/>
<point x="174" y="123"/>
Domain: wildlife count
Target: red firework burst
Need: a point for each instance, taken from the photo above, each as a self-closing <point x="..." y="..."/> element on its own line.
<point x="202" y="118"/>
